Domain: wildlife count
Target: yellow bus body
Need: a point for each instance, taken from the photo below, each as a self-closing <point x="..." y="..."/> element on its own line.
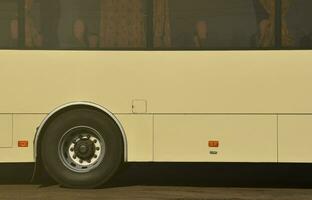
<point x="257" y="104"/>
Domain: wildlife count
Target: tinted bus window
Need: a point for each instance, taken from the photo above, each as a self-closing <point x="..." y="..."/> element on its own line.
<point x="8" y="24"/>
<point x="80" y="24"/>
<point x="214" y="24"/>
<point x="297" y="28"/>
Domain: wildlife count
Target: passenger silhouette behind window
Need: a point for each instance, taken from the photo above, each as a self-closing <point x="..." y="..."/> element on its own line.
<point x="93" y="41"/>
<point x="263" y="38"/>
<point x="79" y="34"/>
<point x="201" y="34"/>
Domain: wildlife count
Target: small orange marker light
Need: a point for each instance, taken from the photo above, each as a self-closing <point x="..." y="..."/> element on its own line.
<point x="23" y="143"/>
<point x="213" y="143"/>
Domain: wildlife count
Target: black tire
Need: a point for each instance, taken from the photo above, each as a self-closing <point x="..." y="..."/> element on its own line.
<point x="111" y="159"/>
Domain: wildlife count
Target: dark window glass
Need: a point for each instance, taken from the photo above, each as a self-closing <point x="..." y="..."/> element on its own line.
<point x="296" y="24"/>
<point x="177" y="24"/>
<point x="8" y="24"/>
<point x="214" y="24"/>
<point x="85" y="24"/>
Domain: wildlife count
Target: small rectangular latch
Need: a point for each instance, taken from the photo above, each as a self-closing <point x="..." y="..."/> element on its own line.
<point x="139" y="106"/>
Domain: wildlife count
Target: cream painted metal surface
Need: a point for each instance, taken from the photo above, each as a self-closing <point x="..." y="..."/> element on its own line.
<point x="242" y="138"/>
<point x="171" y="82"/>
<point x="24" y="129"/>
<point x="247" y="89"/>
<point x="295" y="138"/>
<point x="139" y="130"/>
<point x="139" y="106"/>
<point x="6" y="130"/>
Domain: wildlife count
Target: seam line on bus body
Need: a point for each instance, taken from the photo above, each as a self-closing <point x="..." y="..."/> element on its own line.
<point x="22" y="113"/>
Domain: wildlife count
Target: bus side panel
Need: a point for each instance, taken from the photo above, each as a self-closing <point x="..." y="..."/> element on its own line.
<point x="255" y="82"/>
<point x="295" y="138"/>
<point x="242" y="138"/>
<point x="6" y="130"/>
<point x="24" y="128"/>
<point x="139" y="134"/>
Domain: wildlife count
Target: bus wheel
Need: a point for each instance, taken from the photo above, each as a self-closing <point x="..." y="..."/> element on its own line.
<point x="82" y="148"/>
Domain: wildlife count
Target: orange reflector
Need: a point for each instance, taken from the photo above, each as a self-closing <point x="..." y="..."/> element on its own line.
<point x="213" y="143"/>
<point x="22" y="143"/>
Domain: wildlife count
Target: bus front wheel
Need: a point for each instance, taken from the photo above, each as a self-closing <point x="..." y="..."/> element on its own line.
<point x="82" y="148"/>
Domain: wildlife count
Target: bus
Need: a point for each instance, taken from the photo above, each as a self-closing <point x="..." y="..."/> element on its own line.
<point x="87" y="86"/>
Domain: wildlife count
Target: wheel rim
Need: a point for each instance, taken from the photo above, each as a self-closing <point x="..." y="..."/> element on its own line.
<point x="81" y="149"/>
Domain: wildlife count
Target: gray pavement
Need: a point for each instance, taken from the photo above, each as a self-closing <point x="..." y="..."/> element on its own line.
<point x="171" y="182"/>
<point x="33" y="192"/>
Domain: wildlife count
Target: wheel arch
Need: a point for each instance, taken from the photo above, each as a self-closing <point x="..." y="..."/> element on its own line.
<point x="69" y="106"/>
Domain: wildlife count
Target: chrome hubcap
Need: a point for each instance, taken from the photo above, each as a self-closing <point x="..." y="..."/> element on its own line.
<point x="81" y="149"/>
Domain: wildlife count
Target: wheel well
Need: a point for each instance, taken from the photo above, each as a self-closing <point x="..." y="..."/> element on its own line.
<point x="57" y="112"/>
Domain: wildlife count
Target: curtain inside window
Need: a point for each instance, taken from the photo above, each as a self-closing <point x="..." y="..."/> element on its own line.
<point x="269" y="37"/>
<point x="41" y="23"/>
<point x="267" y="26"/>
<point x="122" y="24"/>
<point x="287" y="40"/>
<point x="162" y="33"/>
<point x="32" y="36"/>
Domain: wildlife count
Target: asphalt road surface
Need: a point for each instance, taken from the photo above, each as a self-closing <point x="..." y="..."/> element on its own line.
<point x="171" y="182"/>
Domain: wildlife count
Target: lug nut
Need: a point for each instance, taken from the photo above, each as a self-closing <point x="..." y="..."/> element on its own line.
<point x="72" y="149"/>
<point x="95" y="156"/>
<point x="74" y="156"/>
<point x="80" y="161"/>
<point x="97" y="148"/>
<point x="95" y="141"/>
